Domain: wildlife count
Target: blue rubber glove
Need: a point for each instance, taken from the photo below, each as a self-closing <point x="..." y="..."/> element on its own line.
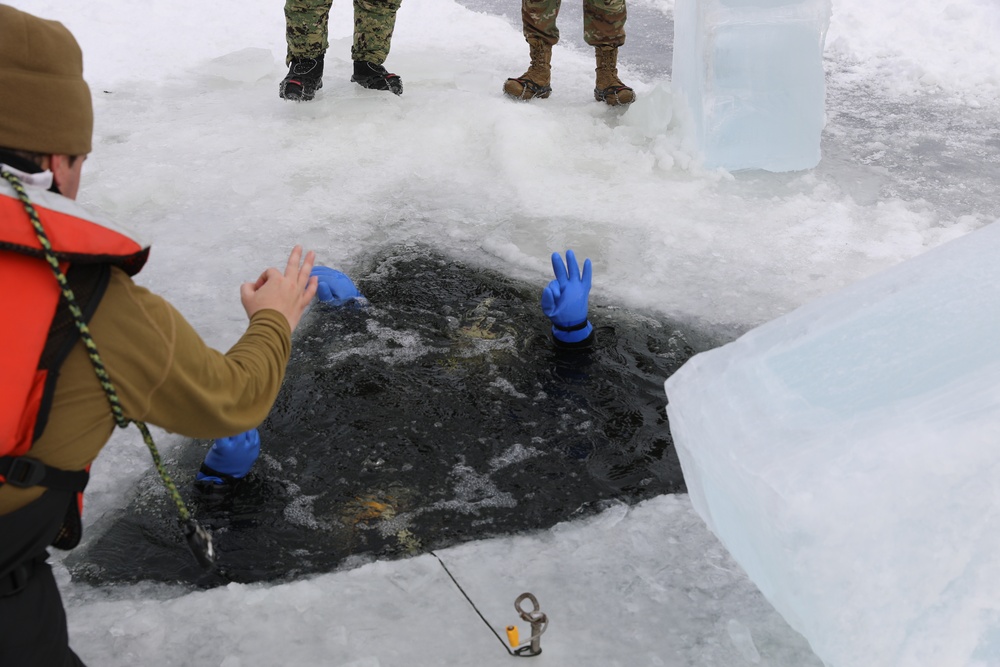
<point x="230" y="458"/>
<point x="335" y="288"/>
<point x="564" y="301"/>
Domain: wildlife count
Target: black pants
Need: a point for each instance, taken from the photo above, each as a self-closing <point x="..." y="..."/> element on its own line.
<point x="33" y="625"/>
<point x="32" y="620"/>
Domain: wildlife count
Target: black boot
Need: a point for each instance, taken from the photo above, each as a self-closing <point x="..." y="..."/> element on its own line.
<point x="305" y="77"/>
<point x="375" y="77"/>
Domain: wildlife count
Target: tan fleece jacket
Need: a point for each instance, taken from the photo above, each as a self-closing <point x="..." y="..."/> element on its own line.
<point x="165" y="375"/>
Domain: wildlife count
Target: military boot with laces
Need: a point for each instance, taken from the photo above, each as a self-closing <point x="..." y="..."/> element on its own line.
<point x="305" y="77"/>
<point x="535" y="82"/>
<point x="609" y="88"/>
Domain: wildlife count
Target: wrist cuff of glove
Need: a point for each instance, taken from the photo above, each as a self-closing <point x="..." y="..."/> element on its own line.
<point x="212" y="487"/>
<point x="207" y="473"/>
<point x="357" y="301"/>
<point x="575" y="335"/>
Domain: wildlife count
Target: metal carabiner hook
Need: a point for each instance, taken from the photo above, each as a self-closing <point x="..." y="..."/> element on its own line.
<point x="539" y="623"/>
<point x="200" y="542"/>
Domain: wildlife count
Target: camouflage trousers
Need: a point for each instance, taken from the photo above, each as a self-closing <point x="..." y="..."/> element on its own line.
<point x="603" y="21"/>
<point x="306" y="26"/>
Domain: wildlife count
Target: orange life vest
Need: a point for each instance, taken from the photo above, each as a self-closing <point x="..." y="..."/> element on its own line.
<point x="29" y="303"/>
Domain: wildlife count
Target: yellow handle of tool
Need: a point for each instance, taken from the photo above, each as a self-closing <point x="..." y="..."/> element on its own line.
<point x="512" y="637"/>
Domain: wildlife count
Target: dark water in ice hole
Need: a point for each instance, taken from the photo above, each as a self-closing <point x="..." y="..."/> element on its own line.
<point x="440" y="413"/>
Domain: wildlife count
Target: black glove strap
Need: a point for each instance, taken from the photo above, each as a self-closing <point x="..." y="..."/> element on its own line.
<point x="575" y="327"/>
<point x="584" y="344"/>
<point x="211" y="472"/>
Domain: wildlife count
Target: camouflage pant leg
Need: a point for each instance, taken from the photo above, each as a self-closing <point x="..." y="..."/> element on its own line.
<point x="306" y="24"/>
<point x="374" y="21"/>
<point x="604" y="22"/>
<point x="538" y="17"/>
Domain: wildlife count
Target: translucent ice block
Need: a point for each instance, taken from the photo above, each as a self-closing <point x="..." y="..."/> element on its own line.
<point x="750" y="73"/>
<point x="847" y="456"/>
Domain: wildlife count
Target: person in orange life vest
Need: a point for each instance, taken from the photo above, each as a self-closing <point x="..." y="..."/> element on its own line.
<point x="55" y="414"/>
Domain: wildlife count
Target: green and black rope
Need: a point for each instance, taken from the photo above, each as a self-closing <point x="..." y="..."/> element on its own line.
<point x="198" y="538"/>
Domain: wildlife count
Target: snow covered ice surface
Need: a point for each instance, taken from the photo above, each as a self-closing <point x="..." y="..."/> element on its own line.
<point x="194" y="150"/>
<point x="663" y="599"/>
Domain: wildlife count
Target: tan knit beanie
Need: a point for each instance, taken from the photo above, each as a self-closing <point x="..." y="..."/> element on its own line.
<point x="45" y="104"/>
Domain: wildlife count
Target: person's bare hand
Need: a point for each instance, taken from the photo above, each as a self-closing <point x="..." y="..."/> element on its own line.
<point x="287" y="293"/>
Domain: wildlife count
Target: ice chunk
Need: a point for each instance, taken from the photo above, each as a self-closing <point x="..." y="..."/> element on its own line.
<point x="743" y="640"/>
<point x="244" y="66"/>
<point x="750" y="73"/>
<point x="847" y="456"/>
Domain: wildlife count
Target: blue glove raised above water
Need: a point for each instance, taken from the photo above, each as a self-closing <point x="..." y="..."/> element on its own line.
<point x="564" y="301"/>
<point x="231" y="458"/>
<point x="335" y="288"/>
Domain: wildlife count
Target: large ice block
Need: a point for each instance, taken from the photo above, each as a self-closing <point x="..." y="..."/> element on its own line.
<point x="848" y="456"/>
<point x="750" y="73"/>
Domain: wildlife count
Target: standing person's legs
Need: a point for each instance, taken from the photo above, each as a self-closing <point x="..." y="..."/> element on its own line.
<point x="604" y="22"/>
<point x="306" y="29"/>
<point x="32" y="619"/>
<point x="374" y="21"/>
<point x="604" y="29"/>
<point x="538" y="19"/>
<point x="33" y="625"/>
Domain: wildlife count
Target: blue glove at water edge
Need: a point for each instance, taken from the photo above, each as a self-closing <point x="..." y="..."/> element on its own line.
<point x="564" y="301"/>
<point x="335" y="288"/>
<point x="230" y="458"/>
